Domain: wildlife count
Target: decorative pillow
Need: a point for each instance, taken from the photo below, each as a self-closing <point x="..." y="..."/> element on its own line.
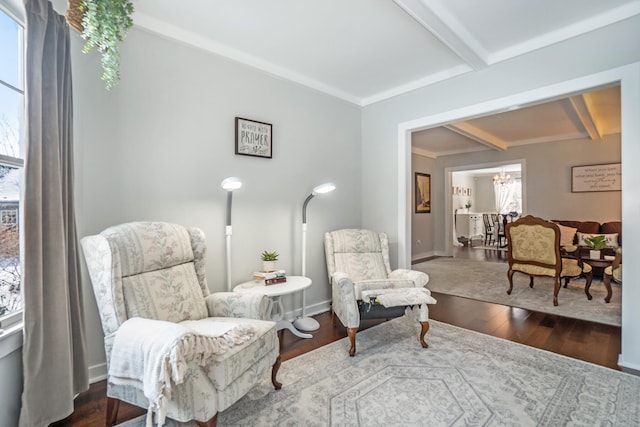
<point x="610" y="239"/>
<point x="566" y="235"/>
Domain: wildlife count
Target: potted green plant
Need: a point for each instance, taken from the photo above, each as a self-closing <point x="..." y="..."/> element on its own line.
<point x="595" y="243"/>
<point x="468" y="205"/>
<point x="269" y="260"/>
<point x="103" y="24"/>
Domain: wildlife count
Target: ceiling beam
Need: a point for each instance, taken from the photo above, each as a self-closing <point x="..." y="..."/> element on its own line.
<point x="466" y="129"/>
<point x="448" y="30"/>
<point x="586" y="115"/>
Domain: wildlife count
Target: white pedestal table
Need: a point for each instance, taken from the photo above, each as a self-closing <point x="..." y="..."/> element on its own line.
<point x="274" y="292"/>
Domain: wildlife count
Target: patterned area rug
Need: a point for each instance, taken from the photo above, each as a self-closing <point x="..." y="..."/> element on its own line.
<point x="487" y="281"/>
<point x="463" y="378"/>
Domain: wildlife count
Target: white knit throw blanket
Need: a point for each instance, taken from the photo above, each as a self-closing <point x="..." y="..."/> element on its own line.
<point x="400" y="296"/>
<point x="153" y="354"/>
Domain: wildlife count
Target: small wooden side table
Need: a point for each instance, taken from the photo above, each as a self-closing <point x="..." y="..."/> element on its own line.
<point x="600" y="264"/>
<point x="274" y="292"/>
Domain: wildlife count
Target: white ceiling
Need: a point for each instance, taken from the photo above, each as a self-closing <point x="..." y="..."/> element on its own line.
<point x="592" y="115"/>
<point x="365" y="51"/>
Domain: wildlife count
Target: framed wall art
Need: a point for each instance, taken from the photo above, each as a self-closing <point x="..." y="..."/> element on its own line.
<point x="605" y="177"/>
<point x="253" y="138"/>
<point x="423" y="192"/>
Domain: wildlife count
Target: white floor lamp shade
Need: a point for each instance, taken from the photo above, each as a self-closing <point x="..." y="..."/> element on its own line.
<point x="229" y="184"/>
<point x="305" y="323"/>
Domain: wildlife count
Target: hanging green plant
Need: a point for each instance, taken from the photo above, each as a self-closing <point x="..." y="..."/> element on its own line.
<point x="104" y="24"/>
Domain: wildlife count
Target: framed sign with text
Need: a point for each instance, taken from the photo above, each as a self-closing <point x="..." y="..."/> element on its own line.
<point x="605" y="177"/>
<point x="253" y="138"/>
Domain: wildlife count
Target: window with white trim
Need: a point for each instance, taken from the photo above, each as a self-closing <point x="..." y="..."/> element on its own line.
<point x="11" y="163"/>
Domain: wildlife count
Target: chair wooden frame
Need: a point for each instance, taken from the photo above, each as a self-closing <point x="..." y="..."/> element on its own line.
<point x="617" y="263"/>
<point x="556" y="266"/>
<point x="487" y="219"/>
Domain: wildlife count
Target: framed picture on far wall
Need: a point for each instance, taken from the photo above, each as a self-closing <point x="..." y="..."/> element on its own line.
<point x="423" y="192"/>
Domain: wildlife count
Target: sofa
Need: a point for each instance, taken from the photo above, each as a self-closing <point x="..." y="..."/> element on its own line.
<point x="592" y="227"/>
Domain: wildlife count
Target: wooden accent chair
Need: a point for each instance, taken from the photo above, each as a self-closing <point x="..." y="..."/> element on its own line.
<point x="613" y="272"/>
<point x="498" y="228"/>
<point x="534" y="250"/>
<point x="364" y="286"/>
<point x="152" y="275"/>
<point x="487" y="219"/>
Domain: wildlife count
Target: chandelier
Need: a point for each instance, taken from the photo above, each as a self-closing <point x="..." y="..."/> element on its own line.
<point x="502" y="179"/>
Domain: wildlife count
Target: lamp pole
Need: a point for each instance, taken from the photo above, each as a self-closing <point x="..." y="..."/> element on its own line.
<point x="305" y="323"/>
<point x="229" y="184"/>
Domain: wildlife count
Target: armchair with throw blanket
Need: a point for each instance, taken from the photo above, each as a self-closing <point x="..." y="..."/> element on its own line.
<point x="171" y="346"/>
<point x="364" y="287"/>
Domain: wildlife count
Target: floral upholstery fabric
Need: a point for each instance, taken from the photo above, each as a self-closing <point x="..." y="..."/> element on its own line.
<point x="615" y="273"/>
<point x="357" y="261"/>
<point x="570" y="268"/>
<point x="363" y="254"/>
<point x="172" y="294"/>
<point x="149" y="246"/>
<point x="370" y="285"/>
<point x="234" y="304"/>
<point x="533" y="243"/>
<point x="157" y="270"/>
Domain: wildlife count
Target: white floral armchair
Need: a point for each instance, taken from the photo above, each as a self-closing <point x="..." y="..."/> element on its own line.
<point x="156" y="270"/>
<point x="364" y="287"/>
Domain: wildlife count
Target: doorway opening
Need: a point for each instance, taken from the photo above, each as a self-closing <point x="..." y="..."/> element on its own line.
<point x="479" y="195"/>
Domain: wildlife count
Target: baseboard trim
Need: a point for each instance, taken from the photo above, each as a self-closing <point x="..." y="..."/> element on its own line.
<point x="627" y="367"/>
<point x="97" y="372"/>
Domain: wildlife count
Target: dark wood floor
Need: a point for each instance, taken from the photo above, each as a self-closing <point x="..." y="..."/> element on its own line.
<point x="588" y="341"/>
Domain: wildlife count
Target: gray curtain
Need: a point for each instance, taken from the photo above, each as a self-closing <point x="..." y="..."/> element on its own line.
<point x="54" y="352"/>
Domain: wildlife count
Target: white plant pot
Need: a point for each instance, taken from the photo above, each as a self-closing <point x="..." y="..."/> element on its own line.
<point x="594" y="254"/>
<point x="268" y="266"/>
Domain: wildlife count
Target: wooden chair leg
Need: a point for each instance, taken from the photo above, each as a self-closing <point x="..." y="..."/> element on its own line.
<point x="113" y="405"/>
<point x="274" y="373"/>
<point x="589" y="277"/>
<point x="607" y="285"/>
<point x="423" y="331"/>
<point x="351" y="332"/>
<point x="211" y="423"/>
<point x="556" y="290"/>
<point x="510" y="277"/>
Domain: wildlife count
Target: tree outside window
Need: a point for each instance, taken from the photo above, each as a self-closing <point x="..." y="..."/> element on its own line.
<point x="11" y="162"/>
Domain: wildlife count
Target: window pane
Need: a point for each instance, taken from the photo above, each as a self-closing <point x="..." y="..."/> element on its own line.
<point x="10" y="278"/>
<point x="10" y="50"/>
<point x="11" y="109"/>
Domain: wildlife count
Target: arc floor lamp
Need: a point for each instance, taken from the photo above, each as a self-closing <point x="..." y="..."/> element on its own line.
<point x="307" y="323"/>
<point x="229" y="184"/>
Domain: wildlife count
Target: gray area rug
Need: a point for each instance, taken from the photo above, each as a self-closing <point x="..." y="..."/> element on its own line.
<point x="487" y="281"/>
<point x="463" y="378"/>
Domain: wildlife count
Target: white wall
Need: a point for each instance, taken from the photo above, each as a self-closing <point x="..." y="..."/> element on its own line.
<point x="422" y="240"/>
<point x="548" y="178"/>
<point x="459" y="201"/>
<point x="10" y="386"/>
<point x="573" y="65"/>
<point x="158" y="146"/>
<point x="485" y="197"/>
